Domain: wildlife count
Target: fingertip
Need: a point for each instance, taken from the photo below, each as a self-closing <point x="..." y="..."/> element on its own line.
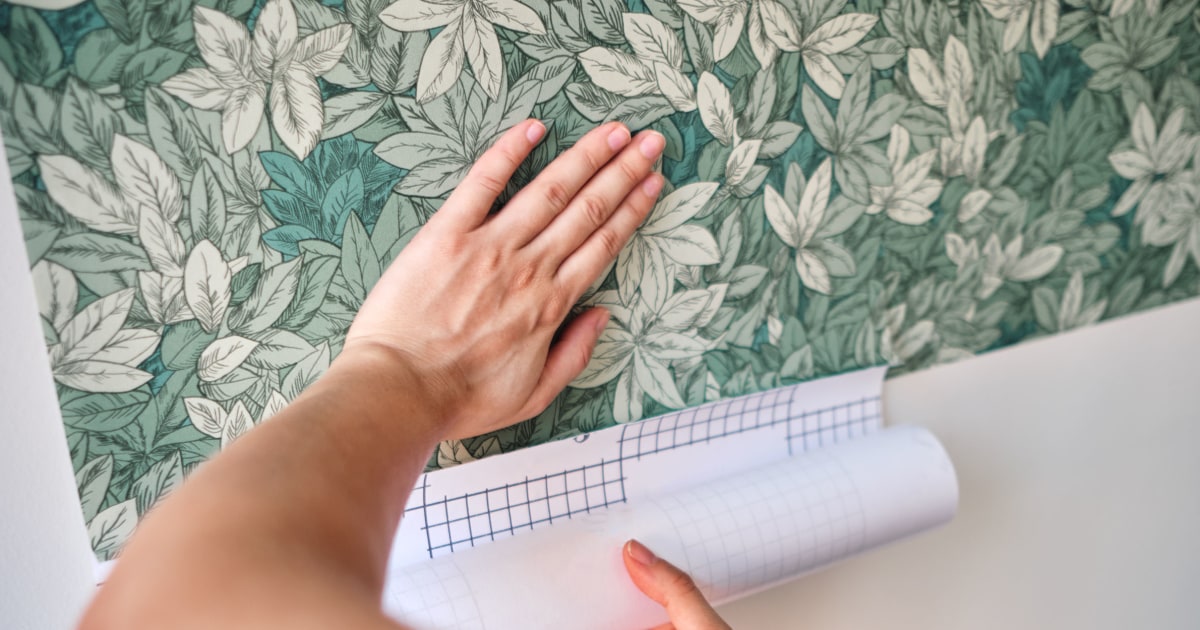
<point x="639" y="553"/>
<point x="618" y="137"/>
<point x="652" y="185"/>
<point x="534" y="130"/>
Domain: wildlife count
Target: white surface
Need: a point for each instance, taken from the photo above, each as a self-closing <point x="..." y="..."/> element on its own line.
<point x="734" y="535"/>
<point x="1079" y="474"/>
<point x="45" y="558"/>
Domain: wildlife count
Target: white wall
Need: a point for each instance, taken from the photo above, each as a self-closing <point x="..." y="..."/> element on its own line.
<point x="1079" y="468"/>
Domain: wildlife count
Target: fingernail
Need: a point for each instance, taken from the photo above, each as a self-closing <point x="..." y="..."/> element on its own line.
<point x="618" y="137"/>
<point x="640" y="553"/>
<point x="652" y="145"/>
<point x="652" y="185"/>
<point x="602" y="321"/>
<point x="535" y="131"/>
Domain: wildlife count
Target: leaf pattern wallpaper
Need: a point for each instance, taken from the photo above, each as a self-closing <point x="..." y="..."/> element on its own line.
<point x="209" y="189"/>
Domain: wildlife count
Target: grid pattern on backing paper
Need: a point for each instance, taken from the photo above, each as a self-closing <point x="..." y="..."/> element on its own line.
<point x="738" y="536"/>
<point x="432" y="595"/>
<point x="456" y="522"/>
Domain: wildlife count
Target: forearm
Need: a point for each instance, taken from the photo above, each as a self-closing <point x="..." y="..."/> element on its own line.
<point x="308" y="502"/>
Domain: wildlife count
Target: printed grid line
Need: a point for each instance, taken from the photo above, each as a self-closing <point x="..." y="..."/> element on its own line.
<point x="463" y="520"/>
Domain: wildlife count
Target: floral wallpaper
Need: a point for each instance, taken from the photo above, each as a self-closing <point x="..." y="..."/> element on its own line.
<point x="209" y="189"/>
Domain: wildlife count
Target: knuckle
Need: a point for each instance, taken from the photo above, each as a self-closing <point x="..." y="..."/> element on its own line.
<point x="492" y="261"/>
<point x="631" y="172"/>
<point x="554" y="309"/>
<point x="556" y="193"/>
<point x="595" y="210"/>
<point x="585" y="357"/>
<point x="525" y="276"/>
<point x="609" y="242"/>
<point x="490" y="182"/>
<point x="594" y="160"/>
<point x="680" y="583"/>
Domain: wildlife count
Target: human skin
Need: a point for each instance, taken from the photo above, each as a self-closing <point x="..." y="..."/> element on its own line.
<point x="291" y="525"/>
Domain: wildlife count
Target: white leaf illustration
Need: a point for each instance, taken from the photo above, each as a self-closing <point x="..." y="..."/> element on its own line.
<point x="129" y="347"/>
<point x="346" y="112"/>
<point x="207" y="416"/>
<point x="306" y="372"/>
<point x="814" y="201"/>
<point x="223" y="356"/>
<point x="612" y="354"/>
<point x="703" y="10"/>
<point x="442" y="63"/>
<point x="237" y="423"/>
<point x="198" y="87"/>
<point x="57" y="292"/>
<point x="779" y="26"/>
<point x="296" y="110"/>
<point x="164" y="297"/>
<point x="241" y="116"/>
<point x="93" y="327"/>
<point x="913" y="340"/>
<point x="1036" y="264"/>
<point x="813" y="272"/>
<point x="100" y="376"/>
<point x="741" y="160"/>
<point x="420" y="15"/>
<point x="86" y="195"/>
<point x="716" y="108"/>
<point x="728" y="30"/>
<point x="512" y="15"/>
<point x="926" y="78"/>
<point x="275" y="32"/>
<point x="1044" y="25"/>
<point x="781" y="218"/>
<point x="275" y="403"/>
<point x="824" y="73"/>
<point x="109" y="530"/>
<point x="676" y="87"/>
<point x="483" y="51"/>
<point x="689" y="245"/>
<point x="974" y="148"/>
<point x="652" y="41"/>
<point x="207" y="280"/>
<point x="656" y="380"/>
<point x="627" y="402"/>
<point x="618" y="72"/>
<point x="840" y="33"/>
<point x="224" y="44"/>
<point x="679" y="206"/>
<point x="960" y="74"/>
<point x="162" y="243"/>
<point x="319" y="52"/>
<point x="144" y="178"/>
<point x="972" y="204"/>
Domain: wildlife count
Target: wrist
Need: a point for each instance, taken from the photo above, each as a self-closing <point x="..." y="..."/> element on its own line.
<point x="385" y="388"/>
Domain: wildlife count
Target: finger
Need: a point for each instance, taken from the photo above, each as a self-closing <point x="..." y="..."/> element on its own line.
<point x="470" y="203"/>
<point x="582" y="267"/>
<point x="532" y="209"/>
<point x="566" y="360"/>
<point x="671" y="588"/>
<point x="593" y="206"/>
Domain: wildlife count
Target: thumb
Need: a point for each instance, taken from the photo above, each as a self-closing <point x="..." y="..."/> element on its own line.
<point x="672" y="589"/>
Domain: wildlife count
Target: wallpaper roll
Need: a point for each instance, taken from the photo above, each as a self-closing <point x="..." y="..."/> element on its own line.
<point x="734" y="536"/>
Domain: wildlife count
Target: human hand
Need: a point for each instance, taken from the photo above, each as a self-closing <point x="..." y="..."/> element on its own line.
<point x="672" y="589"/>
<point x="467" y="313"/>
